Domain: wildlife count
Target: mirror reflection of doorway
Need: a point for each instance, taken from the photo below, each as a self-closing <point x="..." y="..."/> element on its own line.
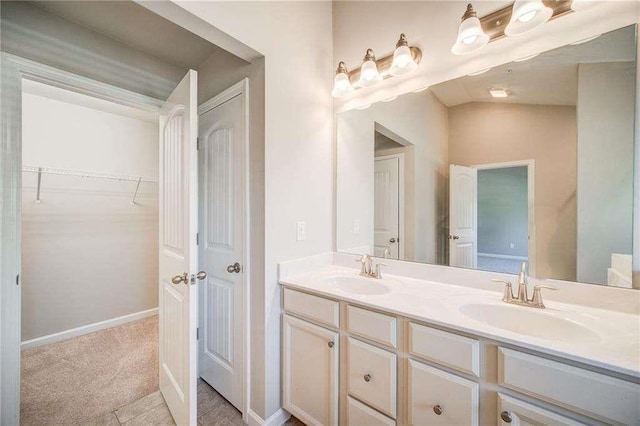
<point x="491" y="217"/>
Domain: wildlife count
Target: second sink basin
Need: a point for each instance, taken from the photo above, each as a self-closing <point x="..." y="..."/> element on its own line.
<point x="529" y="322"/>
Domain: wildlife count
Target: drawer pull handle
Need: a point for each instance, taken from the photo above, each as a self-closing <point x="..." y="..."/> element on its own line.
<point x="506" y="417"/>
<point x="437" y="409"/>
<point x="367" y="377"/>
<point x="330" y="344"/>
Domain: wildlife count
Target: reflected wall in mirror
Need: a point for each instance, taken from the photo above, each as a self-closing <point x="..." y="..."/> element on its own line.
<point x="530" y="161"/>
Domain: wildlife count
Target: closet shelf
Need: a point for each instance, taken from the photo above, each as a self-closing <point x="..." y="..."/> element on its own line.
<point x="86" y="174"/>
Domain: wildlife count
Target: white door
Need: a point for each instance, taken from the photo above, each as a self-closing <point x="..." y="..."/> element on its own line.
<point x="310" y="362"/>
<point x="222" y="158"/>
<point x="463" y="216"/>
<point x="386" y="213"/>
<point x="178" y="250"/>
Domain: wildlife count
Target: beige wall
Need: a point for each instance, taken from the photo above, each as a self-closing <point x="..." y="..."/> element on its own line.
<point x="481" y="133"/>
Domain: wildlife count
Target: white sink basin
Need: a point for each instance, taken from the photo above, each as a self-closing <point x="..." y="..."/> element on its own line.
<point x="530" y="322"/>
<point x="357" y="285"/>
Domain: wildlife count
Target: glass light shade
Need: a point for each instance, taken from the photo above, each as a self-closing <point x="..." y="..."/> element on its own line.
<point x="471" y="37"/>
<point x="341" y="86"/>
<point x="403" y="62"/>
<point x="369" y="75"/>
<point x="527" y="15"/>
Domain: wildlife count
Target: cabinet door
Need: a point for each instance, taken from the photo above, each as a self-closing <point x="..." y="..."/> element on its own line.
<point x="440" y="398"/>
<point x="310" y="362"/>
<point x="516" y="412"/>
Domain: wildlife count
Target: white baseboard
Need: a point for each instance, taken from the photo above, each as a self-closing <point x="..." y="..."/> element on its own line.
<point x="86" y="329"/>
<point x="503" y="256"/>
<point x="276" y="419"/>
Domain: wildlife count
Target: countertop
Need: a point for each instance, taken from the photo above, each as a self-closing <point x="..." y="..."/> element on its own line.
<point x="611" y="340"/>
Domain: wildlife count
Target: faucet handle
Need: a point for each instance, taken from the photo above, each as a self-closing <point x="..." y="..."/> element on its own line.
<point x="365" y="269"/>
<point x="537" y="294"/>
<point x="378" y="274"/>
<point x="508" y="293"/>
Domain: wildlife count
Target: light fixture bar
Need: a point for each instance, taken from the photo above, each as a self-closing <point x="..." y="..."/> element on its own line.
<point x="495" y="23"/>
<point x="384" y="64"/>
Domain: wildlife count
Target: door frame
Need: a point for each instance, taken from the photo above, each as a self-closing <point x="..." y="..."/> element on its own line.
<point x="530" y="164"/>
<point x="14" y="69"/>
<point x="241" y="88"/>
<point x="401" y="219"/>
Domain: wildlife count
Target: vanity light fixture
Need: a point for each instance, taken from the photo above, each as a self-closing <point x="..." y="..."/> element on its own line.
<point x="471" y="36"/>
<point x="404" y="59"/>
<point x="341" y="84"/>
<point x="527" y="15"/>
<point x="403" y="62"/>
<point x="369" y="75"/>
<point x="499" y="93"/>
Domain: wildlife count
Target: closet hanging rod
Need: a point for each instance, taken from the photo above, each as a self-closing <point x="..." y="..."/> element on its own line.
<point x="87" y="174"/>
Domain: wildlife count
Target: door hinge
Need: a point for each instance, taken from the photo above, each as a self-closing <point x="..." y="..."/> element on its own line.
<point x="18" y="279"/>
<point x="198" y="333"/>
<point x="198" y="143"/>
<point x="197" y="238"/>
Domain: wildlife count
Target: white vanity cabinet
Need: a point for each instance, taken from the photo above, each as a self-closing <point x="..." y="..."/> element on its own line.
<point x="350" y="364"/>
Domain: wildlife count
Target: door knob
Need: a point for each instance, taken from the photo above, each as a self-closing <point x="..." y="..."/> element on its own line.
<point x="180" y="278"/>
<point x="392" y="240"/>
<point x="454" y="237"/>
<point x="234" y="268"/>
<point x="199" y="276"/>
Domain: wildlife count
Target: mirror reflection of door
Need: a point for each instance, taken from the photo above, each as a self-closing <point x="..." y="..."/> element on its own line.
<point x="463" y="212"/>
<point x="386" y="207"/>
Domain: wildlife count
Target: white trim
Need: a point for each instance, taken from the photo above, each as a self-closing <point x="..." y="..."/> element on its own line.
<point x="86" y="329"/>
<point x="241" y="88"/>
<point x="276" y="419"/>
<point x="503" y="256"/>
<point x="401" y="218"/>
<point x="530" y="164"/>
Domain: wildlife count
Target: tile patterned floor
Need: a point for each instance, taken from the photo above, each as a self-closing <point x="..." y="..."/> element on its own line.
<point x="213" y="410"/>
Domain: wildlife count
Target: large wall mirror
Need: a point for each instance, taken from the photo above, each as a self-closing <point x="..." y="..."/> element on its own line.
<point x="529" y="161"/>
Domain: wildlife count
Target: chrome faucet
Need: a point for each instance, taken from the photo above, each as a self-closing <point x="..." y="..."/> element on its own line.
<point x="366" y="269"/>
<point x="521" y="297"/>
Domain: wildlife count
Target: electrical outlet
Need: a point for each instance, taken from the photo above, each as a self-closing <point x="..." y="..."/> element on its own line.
<point x="511" y="245"/>
<point x="356" y="227"/>
<point x="301" y="231"/>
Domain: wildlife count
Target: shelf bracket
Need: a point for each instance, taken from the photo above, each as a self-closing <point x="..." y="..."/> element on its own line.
<point x="133" y="200"/>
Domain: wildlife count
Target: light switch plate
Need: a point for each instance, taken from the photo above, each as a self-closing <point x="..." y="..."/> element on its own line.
<point x="301" y="231"/>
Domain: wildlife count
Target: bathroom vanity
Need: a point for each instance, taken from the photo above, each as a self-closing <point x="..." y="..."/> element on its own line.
<point x="401" y="350"/>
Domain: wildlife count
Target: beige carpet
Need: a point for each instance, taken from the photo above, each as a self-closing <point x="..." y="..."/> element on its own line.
<point x="80" y="379"/>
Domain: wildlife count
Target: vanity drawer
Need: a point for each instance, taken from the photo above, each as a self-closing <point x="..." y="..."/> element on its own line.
<point x="440" y="398"/>
<point x="359" y="414"/>
<point x="315" y="308"/>
<point x="372" y="376"/>
<point x="607" y="398"/>
<point x="448" y="349"/>
<point x="520" y="412"/>
<point x="372" y="325"/>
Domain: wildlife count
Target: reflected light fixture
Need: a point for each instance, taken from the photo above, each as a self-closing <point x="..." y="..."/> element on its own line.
<point x="341" y="85"/>
<point x="403" y="62"/>
<point x="499" y="93"/>
<point x="527" y="15"/>
<point x="471" y="36"/>
<point x="369" y="75"/>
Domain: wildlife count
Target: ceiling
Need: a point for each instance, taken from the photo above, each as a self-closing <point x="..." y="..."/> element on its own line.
<point x="134" y="25"/>
<point x="548" y="79"/>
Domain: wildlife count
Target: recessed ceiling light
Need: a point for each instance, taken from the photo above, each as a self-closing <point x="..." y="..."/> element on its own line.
<point x="479" y="72"/>
<point x="499" y="93"/>
<point x="526" y="58"/>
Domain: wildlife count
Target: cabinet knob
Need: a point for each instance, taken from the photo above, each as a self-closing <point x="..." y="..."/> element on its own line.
<point x="506" y="417"/>
<point x="330" y="344"/>
<point x="437" y="409"/>
<point x="367" y="377"/>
